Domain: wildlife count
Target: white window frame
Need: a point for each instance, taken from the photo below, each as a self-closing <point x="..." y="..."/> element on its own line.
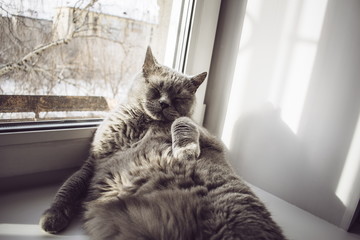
<point x="26" y="156"/>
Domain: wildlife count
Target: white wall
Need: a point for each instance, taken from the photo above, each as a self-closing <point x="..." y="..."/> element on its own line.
<point x="284" y="96"/>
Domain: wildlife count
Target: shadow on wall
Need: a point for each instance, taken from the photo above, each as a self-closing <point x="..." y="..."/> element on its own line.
<point x="265" y="152"/>
<point x="292" y="103"/>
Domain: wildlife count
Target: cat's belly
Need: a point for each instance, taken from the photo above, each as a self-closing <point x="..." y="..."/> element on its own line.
<point x="128" y="171"/>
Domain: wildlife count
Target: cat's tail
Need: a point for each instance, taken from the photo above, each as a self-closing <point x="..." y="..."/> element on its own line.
<point x="165" y="214"/>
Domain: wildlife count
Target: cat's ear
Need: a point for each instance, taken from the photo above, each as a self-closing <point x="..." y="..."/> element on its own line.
<point x="149" y="63"/>
<point x="198" y="80"/>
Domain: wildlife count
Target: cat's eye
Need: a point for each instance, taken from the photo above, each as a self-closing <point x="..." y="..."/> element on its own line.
<point x="181" y="99"/>
<point x="155" y="93"/>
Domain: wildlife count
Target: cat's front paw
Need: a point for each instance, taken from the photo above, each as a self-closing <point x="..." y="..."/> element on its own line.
<point x="189" y="152"/>
<point x="54" y="220"/>
<point x="185" y="139"/>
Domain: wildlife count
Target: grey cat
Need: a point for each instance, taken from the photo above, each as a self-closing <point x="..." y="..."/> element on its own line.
<point x="153" y="173"/>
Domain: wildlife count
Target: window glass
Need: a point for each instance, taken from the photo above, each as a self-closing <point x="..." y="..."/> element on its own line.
<point x="70" y="59"/>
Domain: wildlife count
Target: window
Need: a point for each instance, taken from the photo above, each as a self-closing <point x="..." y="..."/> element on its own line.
<point x="34" y="153"/>
<point x="77" y="58"/>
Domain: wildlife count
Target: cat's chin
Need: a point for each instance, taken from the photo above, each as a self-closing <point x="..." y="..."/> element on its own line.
<point x="170" y="115"/>
<point x="157" y="116"/>
<point x="161" y="116"/>
<point x="164" y="115"/>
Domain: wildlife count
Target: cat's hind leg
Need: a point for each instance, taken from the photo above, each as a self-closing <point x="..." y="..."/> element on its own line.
<point x="67" y="200"/>
<point x="185" y="139"/>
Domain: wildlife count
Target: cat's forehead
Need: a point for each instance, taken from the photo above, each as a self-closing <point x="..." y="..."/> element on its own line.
<point x="164" y="76"/>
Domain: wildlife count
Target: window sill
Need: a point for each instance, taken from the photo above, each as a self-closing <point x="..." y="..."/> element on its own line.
<point x="52" y="154"/>
<point x="13" y="127"/>
<point x="21" y="211"/>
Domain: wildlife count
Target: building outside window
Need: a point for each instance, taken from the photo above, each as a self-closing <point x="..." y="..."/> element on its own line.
<point x="76" y="59"/>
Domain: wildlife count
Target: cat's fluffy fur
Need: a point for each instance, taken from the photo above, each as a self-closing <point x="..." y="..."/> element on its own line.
<point x="155" y="174"/>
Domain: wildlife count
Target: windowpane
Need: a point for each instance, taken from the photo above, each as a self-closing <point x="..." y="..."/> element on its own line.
<point x="69" y="59"/>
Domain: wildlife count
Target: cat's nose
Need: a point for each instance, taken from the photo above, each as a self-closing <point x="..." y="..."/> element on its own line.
<point x="164" y="104"/>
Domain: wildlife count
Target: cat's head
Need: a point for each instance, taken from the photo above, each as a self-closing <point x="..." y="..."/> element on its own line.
<point x="167" y="94"/>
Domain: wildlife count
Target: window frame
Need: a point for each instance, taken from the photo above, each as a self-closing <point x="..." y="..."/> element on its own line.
<point x="27" y="154"/>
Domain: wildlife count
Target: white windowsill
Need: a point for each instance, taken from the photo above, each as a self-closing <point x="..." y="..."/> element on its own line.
<point x="38" y="157"/>
<point x="21" y="210"/>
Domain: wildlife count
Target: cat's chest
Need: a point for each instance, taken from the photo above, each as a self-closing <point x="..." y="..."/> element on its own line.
<point x="155" y="136"/>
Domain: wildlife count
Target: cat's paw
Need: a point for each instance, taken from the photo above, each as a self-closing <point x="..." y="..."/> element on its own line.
<point x="54" y="220"/>
<point x="189" y="152"/>
<point x="185" y="139"/>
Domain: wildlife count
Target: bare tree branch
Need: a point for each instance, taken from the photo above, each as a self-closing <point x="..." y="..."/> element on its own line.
<point x="22" y="64"/>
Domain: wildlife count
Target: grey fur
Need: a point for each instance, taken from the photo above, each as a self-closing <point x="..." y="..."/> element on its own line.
<point x="153" y="173"/>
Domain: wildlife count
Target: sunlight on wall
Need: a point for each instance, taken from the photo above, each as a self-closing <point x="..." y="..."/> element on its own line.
<point x="242" y="65"/>
<point x="350" y="171"/>
<point x="296" y="87"/>
<point x="303" y="52"/>
<point x="275" y="61"/>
